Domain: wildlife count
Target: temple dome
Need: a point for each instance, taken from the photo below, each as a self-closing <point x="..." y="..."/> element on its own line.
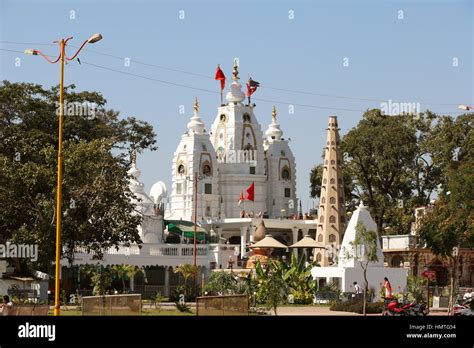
<point x="274" y="131"/>
<point x="195" y="124"/>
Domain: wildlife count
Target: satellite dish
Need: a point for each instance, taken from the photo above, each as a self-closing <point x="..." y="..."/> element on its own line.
<point x="158" y="192"/>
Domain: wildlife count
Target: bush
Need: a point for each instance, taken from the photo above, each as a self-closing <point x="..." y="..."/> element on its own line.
<point x="357" y="307"/>
<point x="183" y="307"/>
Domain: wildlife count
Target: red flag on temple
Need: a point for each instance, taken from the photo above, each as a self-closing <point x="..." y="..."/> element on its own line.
<point x="251" y="192"/>
<point x="220" y="77"/>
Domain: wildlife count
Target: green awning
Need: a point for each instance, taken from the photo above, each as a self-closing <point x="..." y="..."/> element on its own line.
<point x="186" y="229"/>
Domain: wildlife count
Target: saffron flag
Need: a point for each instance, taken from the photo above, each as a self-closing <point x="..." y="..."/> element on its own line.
<point x="220" y="77"/>
<point x="251" y="192"/>
<point x="252" y="86"/>
<point x="241" y="198"/>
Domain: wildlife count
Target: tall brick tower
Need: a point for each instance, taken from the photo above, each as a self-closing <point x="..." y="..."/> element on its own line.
<point x="331" y="213"/>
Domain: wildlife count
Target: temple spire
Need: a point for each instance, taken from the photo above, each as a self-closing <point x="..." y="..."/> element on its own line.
<point x="196" y="106"/>
<point x="235" y="72"/>
<point x="274" y="114"/>
<point x="195" y="124"/>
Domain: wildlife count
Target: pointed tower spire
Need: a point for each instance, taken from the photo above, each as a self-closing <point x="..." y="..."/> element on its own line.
<point x="331" y="213"/>
<point x="235" y="95"/>
<point x="235" y="72"/>
<point x="196" y="106"/>
<point x="274" y="132"/>
<point x="195" y="124"/>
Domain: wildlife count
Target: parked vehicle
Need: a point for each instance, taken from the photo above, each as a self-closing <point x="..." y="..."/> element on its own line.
<point x="464" y="308"/>
<point x="394" y="308"/>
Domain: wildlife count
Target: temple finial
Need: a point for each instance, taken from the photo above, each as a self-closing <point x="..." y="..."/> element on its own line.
<point x="274" y="114"/>
<point x="196" y="105"/>
<point x="235" y="72"/>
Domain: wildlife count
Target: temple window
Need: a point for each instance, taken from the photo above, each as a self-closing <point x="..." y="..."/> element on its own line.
<point x="207" y="170"/>
<point x="332" y="238"/>
<point x="285" y="174"/>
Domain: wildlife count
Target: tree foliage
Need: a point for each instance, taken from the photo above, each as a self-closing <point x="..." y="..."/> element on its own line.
<point x="97" y="212"/>
<point x="397" y="163"/>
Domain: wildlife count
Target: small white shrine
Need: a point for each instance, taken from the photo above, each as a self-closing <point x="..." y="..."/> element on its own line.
<point x="348" y="269"/>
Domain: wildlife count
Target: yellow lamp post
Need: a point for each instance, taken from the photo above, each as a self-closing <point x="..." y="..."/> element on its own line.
<point x="61" y="58"/>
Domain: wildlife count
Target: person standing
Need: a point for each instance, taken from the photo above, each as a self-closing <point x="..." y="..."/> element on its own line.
<point x="388" y="288"/>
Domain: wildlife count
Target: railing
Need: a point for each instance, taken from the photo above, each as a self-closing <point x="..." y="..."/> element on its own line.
<point x="178" y="250"/>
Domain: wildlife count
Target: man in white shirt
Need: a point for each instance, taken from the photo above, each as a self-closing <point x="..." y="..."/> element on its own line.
<point x="357" y="291"/>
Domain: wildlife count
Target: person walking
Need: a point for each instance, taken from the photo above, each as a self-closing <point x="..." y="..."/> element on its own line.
<point x="357" y="291"/>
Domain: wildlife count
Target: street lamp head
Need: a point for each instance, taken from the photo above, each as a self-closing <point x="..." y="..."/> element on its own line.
<point x="464" y="107"/>
<point x="31" y="52"/>
<point x="94" y="38"/>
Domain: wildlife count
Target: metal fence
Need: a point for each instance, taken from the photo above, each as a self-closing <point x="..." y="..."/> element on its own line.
<point x="127" y="304"/>
<point x="222" y="305"/>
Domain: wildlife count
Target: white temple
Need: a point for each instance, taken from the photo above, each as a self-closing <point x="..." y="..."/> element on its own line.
<point x="215" y="167"/>
<point x="347" y="267"/>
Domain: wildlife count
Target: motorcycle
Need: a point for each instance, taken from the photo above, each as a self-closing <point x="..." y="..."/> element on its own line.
<point x="394" y="308"/>
<point x="465" y="308"/>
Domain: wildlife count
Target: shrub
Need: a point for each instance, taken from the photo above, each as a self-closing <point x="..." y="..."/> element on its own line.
<point x="357" y="307"/>
<point x="221" y="282"/>
<point x="182" y="307"/>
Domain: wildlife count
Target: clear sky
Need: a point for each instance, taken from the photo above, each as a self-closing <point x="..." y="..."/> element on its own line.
<point x="407" y="51"/>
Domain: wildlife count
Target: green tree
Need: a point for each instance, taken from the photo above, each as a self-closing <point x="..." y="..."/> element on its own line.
<point x="187" y="271"/>
<point x="272" y="288"/>
<point x="97" y="212"/>
<point x="387" y="164"/>
<point x="365" y="252"/>
<point x="449" y="226"/>
<point x="101" y="280"/>
<point x="125" y="272"/>
<point x="222" y="282"/>
<point x="298" y="279"/>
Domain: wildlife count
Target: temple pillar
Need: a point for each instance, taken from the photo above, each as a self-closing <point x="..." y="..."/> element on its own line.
<point x="167" y="281"/>
<point x="243" y="240"/>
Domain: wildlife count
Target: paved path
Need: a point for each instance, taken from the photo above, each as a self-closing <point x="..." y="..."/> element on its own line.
<point x="319" y="310"/>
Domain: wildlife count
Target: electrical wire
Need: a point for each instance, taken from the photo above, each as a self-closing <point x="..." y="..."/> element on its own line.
<point x="287" y="90"/>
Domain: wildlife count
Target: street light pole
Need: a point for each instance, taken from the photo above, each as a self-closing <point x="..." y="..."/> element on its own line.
<point x="60" y="183"/>
<point x="61" y="58"/>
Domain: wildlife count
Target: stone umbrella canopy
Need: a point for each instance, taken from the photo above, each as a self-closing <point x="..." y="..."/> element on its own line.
<point x="307" y="242"/>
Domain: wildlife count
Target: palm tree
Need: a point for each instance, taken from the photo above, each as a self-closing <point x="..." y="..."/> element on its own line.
<point x="186" y="271"/>
<point x="126" y="271"/>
